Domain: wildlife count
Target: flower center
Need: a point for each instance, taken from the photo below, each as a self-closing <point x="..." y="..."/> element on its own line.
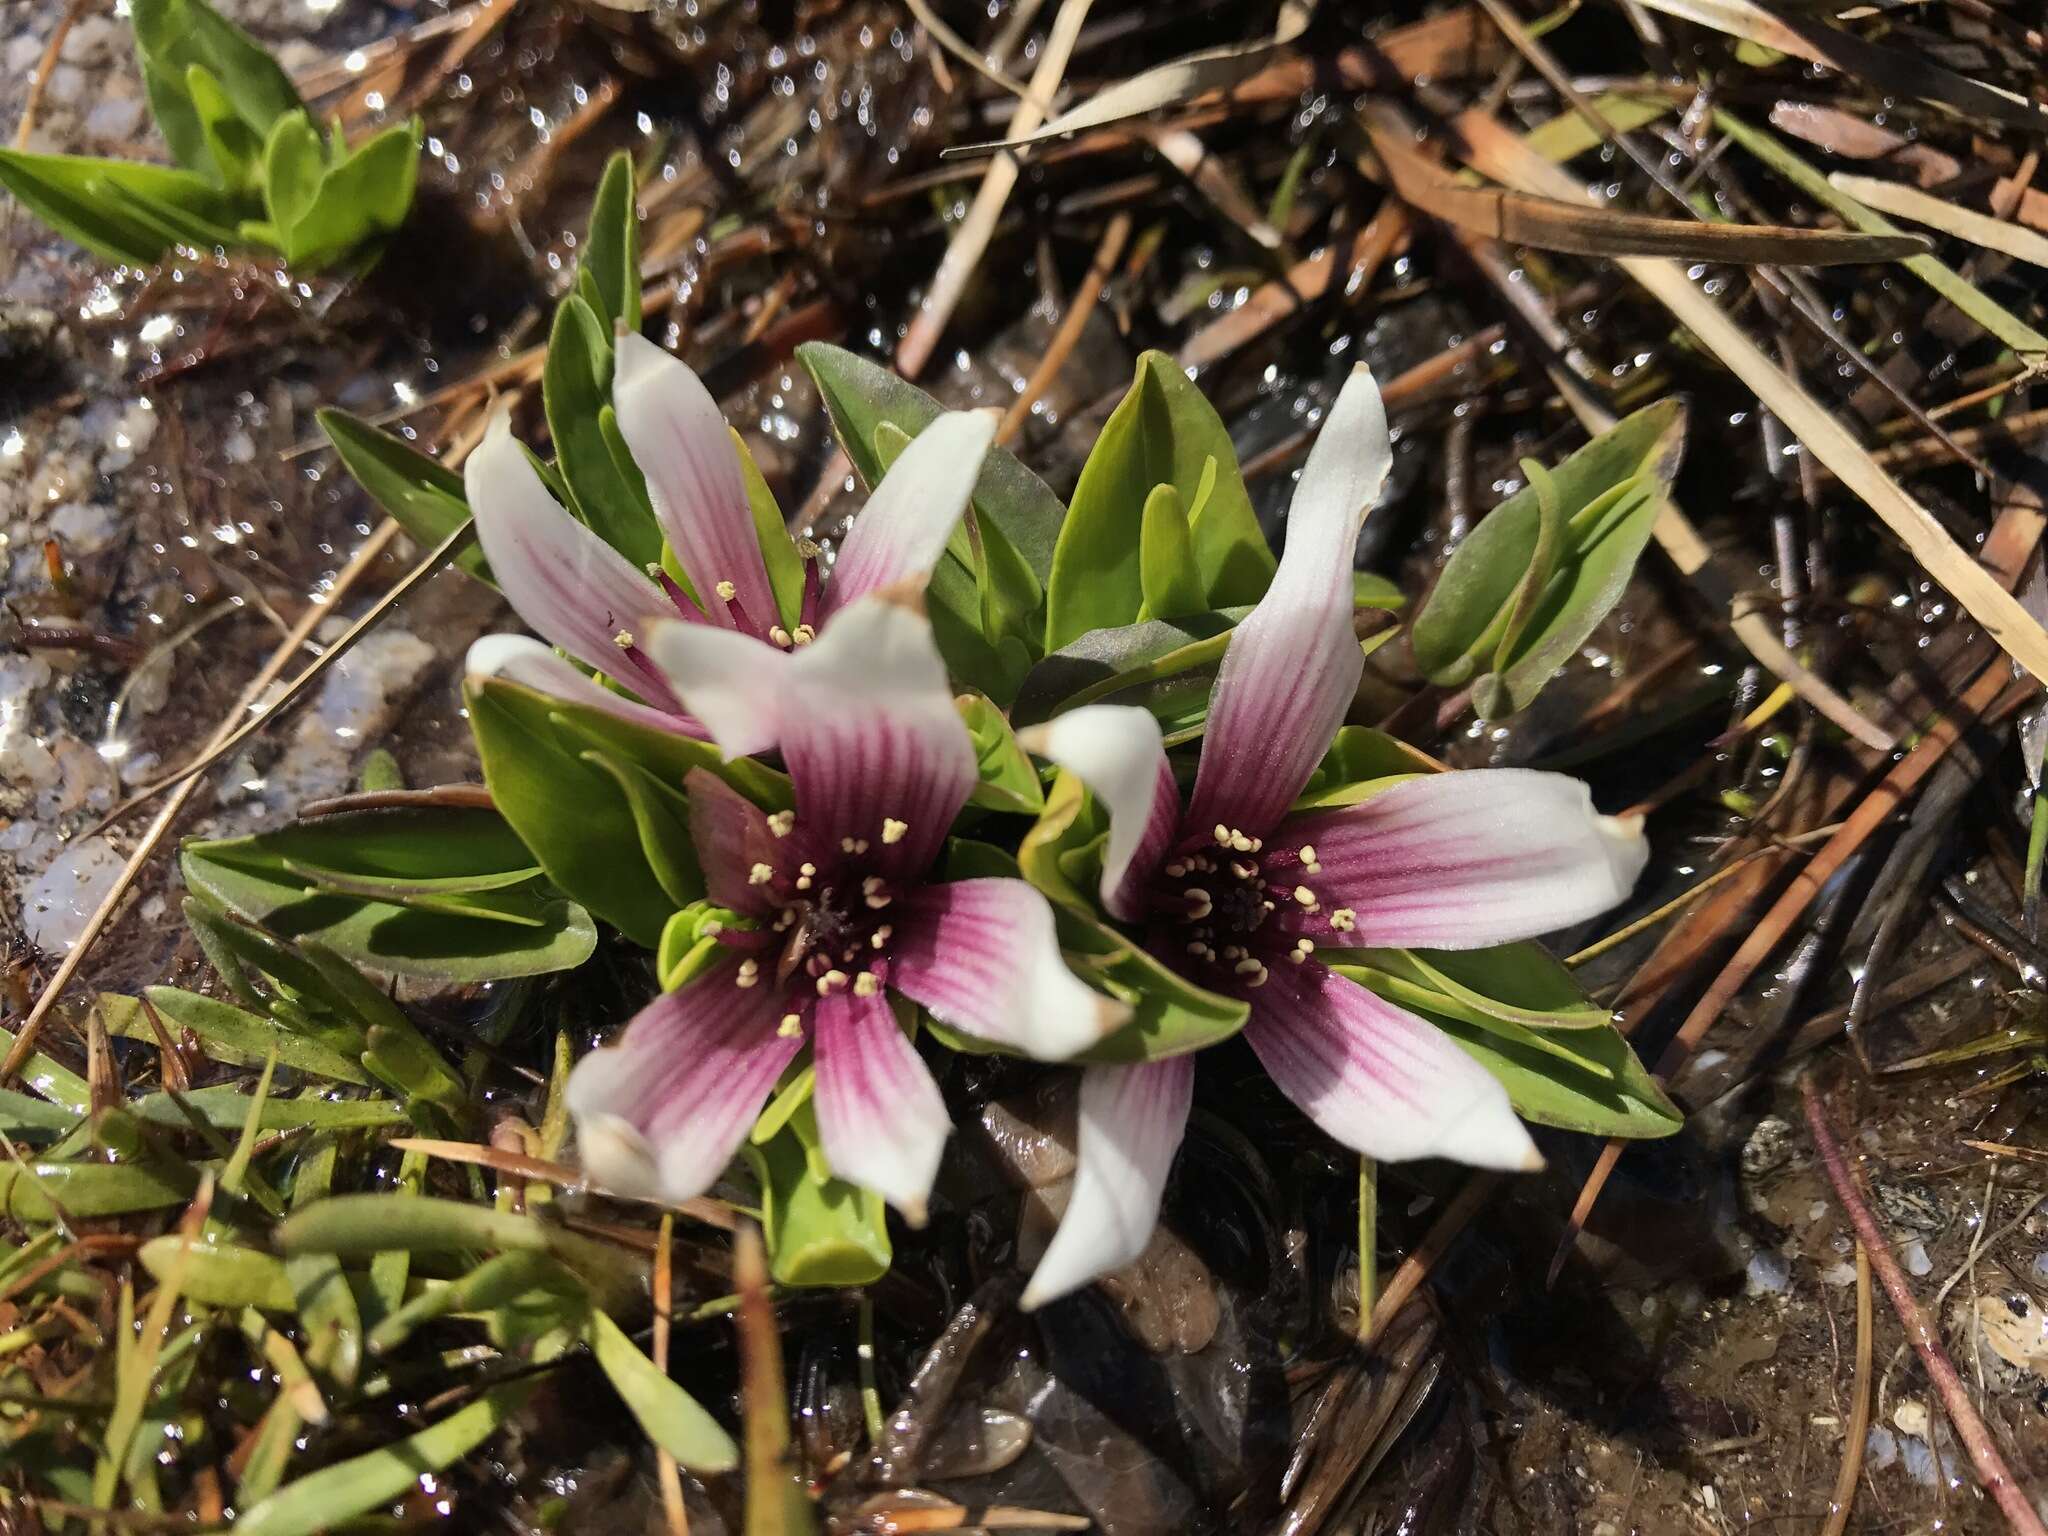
<point x="1226" y="908"/>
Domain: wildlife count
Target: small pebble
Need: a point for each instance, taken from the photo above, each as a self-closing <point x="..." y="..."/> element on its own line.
<point x="1917" y="1457"/>
<point x="1841" y="1274"/>
<point x="1770" y="1272"/>
<point x="1881" y="1449"/>
<point x="1910" y="1417"/>
<point x="1915" y="1255"/>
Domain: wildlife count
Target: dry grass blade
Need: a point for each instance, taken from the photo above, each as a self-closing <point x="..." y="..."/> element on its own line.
<point x="1178" y="80"/>
<point x="714" y="1213"/>
<point x="776" y="1501"/>
<point x="1938" y="213"/>
<point x="1904" y="74"/>
<point x="1496" y="152"/>
<point x="2011" y="1499"/>
<point x="1519" y="218"/>
<point x="1844" y="1499"/>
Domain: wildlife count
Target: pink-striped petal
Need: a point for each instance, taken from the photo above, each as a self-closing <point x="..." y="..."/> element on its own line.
<point x="1466" y="859"/>
<point x="660" y="1112"/>
<point x="1116" y="751"/>
<point x="735" y="684"/>
<point x="1131" y="1123"/>
<point x="881" y="1120"/>
<point x="1378" y="1079"/>
<point x="731" y="836"/>
<point x="1293" y="664"/>
<point x="564" y="581"/>
<point x="903" y="529"/>
<point x="684" y="448"/>
<point x="524" y="660"/>
<point x="983" y="956"/>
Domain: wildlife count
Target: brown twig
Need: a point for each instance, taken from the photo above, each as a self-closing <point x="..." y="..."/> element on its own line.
<point x="1844" y="1499"/>
<point x="45" y="67"/>
<point x="1416" y="1267"/>
<point x="2011" y="1499"/>
<point x="1079" y="308"/>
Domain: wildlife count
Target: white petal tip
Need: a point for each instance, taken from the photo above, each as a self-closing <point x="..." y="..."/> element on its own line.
<point x="1533" y="1162"/>
<point x="914" y="1213"/>
<point x="637" y="358"/>
<point x="496" y="655"/>
<point x="617" y="1157"/>
<point x="1033" y="1298"/>
<point x="1628" y="850"/>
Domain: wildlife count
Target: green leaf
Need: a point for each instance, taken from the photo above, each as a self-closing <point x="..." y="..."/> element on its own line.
<point x="663" y="818"/>
<point x="1166" y="559"/>
<point x="173" y="35"/>
<point x="227" y="1034"/>
<point x="256" y="877"/>
<point x="425" y="496"/>
<point x="495" y="1283"/>
<point x="611" y="246"/>
<point x="227" y="1109"/>
<point x="860" y="396"/>
<point x="1609" y="494"/>
<point x="778" y="549"/>
<point x="117" y="209"/>
<point x="819" y="1231"/>
<point x="293" y="164"/>
<point x="1370" y="591"/>
<point x="87" y="1190"/>
<point x="1007" y="779"/>
<point x="576" y="384"/>
<point x="221" y="1274"/>
<point x="234" y="147"/>
<point x="1164" y="432"/>
<point x="1158" y="656"/>
<point x="534" y="771"/>
<point x="363" y="198"/>
<point x="671" y="1418"/>
<point x="1523" y="983"/>
<point x="335" y="1495"/>
<point x="1361" y="763"/>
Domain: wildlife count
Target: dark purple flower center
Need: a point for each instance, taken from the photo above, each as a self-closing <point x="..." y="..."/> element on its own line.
<point x="1226" y="908"/>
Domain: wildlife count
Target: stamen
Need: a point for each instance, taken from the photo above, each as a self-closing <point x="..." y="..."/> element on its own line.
<point x="750" y="972"/>
<point x="866" y="984"/>
<point x="623" y="640"/>
<point x="760" y="874"/>
<point x="804" y="635"/>
<point x="1223" y="834"/>
<point x="1308" y="859"/>
<point x="782" y="823"/>
<point x="1344" y="920"/>
<point x="853" y="845"/>
<point x="1254" y="972"/>
<point x="1303" y="948"/>
<point x="779" y="636"/>
<point x="1306" y="897"/>
<point x="893" y="830"/>
<point x="1175" y="869"/>
<point x="792" y="1024"/>
<point x="875" y="891"/>
<point x="726" y="591"/>
<point x="832" y="981"/>
<point x="1200" y="903"/>
<point x="676" y="594"/>
<point x="880" y="936"/>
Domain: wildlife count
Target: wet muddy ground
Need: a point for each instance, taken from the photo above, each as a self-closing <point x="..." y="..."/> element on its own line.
<point x="166" y="516"/>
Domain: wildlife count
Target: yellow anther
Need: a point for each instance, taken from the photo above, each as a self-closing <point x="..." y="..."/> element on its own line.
<point x="750" y="972"/>
<point x="804" y="635"/>
<point x="782" y="823"/>
<point x="760" y="874"/>
<point x="830" y="982"/>
<point x="893" y="830"/>
<point x="866" y="984"/>
<point x="1344" y="920"/>
<point x="1305" y="896"/>
<point x="880" y="936"/>
<point x="792" y="1024"/>
<point x="623" y="639"/>
<point x="726" y="591"/>
<point x="777" y="635"/>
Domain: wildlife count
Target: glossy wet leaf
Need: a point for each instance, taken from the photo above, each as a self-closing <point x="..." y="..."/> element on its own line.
<point x="608" y="265"/>
<point x="494" y="1283"/>
<point x="1361" y="763"/>
<point x="362" y="1484"/>
<point x="1105" y="663"/>
<point x="87" y="1190"/>
<point x="121" y="211"/>
<point x="820" y="1230"/>
<point x="226" y="1108"/>
<point x="576" y="385"/>
<point x="672" y="1419"/>
<point x="662" y="816"/>
<point x="221" y="1274"/>
<point x="174" y="36"/>
<point x="424" y="496"/>
<point x="1608" y="494"/>
<point x="1164" y="432"/>
<point x="1523" y="982"/>
<point x="362" y="198"/>
<point x="771" y="531"/>
<point x="1169" y="580"/>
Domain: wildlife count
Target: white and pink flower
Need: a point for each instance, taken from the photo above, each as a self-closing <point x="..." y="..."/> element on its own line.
<point x="584" y="597"/>
<point x="841" y="909"/>
<point x="1242" y="896"/>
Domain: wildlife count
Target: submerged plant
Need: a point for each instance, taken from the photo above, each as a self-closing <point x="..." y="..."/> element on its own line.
<point x="1247" y="896"/>
<point x="253" y="171"/>
<point x="831" y="907"/>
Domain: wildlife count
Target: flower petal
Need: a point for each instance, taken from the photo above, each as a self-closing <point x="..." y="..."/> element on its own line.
<point x="1465" y="859"/>
<point x="1116" y="751"/>
<point x="660" y="1112"/>
<point x="1293" y="665"/>
<point x="524" y="660"/>
<point x="903" y="529"/>
<point x="983" y="956"/>
<point x="881" y="1119"/>
<point x="729" y="681"/>
<point x="1131" y="1123"/>
<point x="684" y="448"/>
<point x="566" y="583"/>
<point x="731" y="835"/>
<point x="1377" y="1078"/>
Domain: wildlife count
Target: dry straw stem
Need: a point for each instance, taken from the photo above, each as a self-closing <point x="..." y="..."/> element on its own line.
<point x="1844" y="1499"/>
<point x="1079" y="308"/>
<point x="2011" y="1499"/>
<point x="1938" y="213"/>
<point x="1495" y="151"/>
<point x="971" y="237"/>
